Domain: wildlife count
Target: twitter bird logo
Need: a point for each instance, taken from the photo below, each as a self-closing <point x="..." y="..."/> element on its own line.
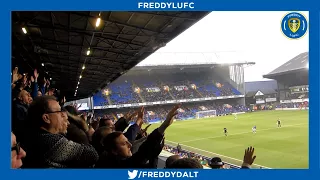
<point x="132" y="174"/>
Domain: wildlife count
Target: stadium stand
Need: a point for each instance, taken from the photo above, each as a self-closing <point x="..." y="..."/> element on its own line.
<point x="293" y="82"/>
<point x="139" y="85"/>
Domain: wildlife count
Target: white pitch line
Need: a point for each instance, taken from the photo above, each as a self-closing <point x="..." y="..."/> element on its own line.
<point x="218" y="154"/>
<point x="213" y="137"/>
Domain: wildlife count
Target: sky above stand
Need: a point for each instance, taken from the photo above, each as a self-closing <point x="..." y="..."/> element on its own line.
<point x="229" y="37"/>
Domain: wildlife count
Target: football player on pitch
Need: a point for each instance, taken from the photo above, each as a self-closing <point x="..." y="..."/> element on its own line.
<point x="254" y="129"/>
<point x="279" y="123"/>
<point x="225" y="131"/>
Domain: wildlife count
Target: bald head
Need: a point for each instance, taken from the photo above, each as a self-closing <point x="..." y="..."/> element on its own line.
<point x="25" y="97"/>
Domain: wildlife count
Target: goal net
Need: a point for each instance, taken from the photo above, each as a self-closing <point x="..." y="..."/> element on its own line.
<point x="206" y="114"/>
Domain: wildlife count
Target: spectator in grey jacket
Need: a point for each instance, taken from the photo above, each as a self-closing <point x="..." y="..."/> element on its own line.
<point x="46" y="147"/>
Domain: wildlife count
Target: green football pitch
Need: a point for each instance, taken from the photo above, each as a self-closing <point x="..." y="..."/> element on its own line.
<point x="285" y="147"/>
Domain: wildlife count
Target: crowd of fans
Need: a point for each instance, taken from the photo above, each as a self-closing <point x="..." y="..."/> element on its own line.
<point x="156" y="91"/>
<point x="47" y="134"/>
<point x="123" y="93"/>
<point x="151" y="89"/>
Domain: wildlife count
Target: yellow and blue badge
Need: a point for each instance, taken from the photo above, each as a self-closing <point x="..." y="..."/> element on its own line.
<point x="294" y="25"/>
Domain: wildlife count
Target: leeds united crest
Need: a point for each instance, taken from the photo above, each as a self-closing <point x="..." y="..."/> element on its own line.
<point x="294" y="25"/>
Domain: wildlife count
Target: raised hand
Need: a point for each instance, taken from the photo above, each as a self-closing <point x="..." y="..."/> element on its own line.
<point x="48" y="83"/>
<point x="169" y="119"/>
<point x="36" y="74"/>
<point x="171" y="115"/>
<point x="32" y="79"/>
<point x="129" y="116"/>
<point x="15" y="75"/>
<point x="248" y="157"/>
<point x="140" y="113"/>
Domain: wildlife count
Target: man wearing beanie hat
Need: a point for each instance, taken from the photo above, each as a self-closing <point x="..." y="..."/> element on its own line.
<point x="216" y="163"/>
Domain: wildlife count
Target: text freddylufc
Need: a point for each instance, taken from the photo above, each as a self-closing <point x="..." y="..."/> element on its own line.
<point x="166" y="5"/>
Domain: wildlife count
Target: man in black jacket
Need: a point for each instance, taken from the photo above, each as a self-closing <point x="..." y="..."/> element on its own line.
<point x="19" y="112"/>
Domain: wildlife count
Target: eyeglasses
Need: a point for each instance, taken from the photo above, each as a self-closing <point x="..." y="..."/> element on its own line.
<point x="61" y="111"/>
<point x="16" y="148"/>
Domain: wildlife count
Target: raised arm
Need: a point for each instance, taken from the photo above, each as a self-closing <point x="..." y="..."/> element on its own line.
<point x="248" y="158"/>
<point x="134" y="129"/>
